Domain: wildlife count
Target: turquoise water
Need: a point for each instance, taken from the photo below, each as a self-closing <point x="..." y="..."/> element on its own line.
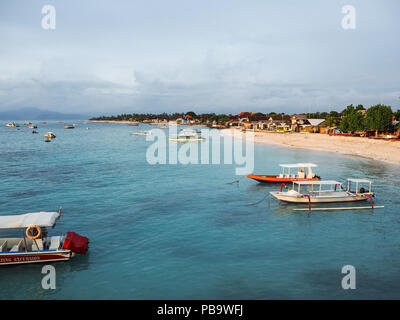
<point x="184" y="232"/>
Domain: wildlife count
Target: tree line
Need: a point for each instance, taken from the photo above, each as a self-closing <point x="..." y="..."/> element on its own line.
<point x="378" y="117"/>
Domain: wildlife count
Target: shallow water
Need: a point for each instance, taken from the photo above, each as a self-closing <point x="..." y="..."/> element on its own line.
<point x="184" y="232"/>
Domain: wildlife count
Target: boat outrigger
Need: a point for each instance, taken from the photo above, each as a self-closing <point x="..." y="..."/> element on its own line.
<point x="304" y="173"/>
<point x="35" y="245"/>
<point x="327" y="191"/>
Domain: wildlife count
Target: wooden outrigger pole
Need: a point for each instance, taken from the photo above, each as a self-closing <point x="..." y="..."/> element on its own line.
<point x="339" y="208"/>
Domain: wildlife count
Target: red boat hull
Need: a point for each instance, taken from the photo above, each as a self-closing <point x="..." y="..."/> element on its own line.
<point x="276" y="179"/>
<point x="32" y="257"/>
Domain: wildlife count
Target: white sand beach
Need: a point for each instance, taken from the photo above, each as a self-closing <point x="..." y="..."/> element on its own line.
<point x="388" y="151"/>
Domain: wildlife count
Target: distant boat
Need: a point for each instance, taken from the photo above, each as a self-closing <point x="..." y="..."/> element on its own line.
<point x="69" y="127"/>
<point x="133" y="124"/>
<point x="32" y="127"/>
<point x="49" y="135"/>
<point x="43" y="122"/>
<point x="12" y="124"/>
<point x="34" y="132"/>
<point x="187" y="135"/>
<point x="144" y="133"/>
<point x="27" y="123"/>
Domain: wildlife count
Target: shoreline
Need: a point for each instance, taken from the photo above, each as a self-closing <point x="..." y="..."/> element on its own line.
<point x="380" y="150"/>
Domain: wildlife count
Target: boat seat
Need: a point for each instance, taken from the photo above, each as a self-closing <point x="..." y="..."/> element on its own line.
<point x="301" y="174"/>
<point x="17" y="247"/>
<point x="39" y="245"/>
<point x="54" y="243"/>
<point x="3" y="245"/>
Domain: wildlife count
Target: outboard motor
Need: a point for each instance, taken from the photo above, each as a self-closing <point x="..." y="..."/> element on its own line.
<point x="76" y="243"/>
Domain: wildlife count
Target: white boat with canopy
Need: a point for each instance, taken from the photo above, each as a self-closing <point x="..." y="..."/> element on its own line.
<point x="187" y="135"/>
<point x="30" y="241"/>
<point x="326" y="191"/>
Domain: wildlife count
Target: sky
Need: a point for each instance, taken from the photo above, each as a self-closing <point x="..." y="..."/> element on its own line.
<point x="111" y="57"/>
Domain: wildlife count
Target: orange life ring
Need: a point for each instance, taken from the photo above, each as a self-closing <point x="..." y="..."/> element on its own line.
<point x="34" y="235"/>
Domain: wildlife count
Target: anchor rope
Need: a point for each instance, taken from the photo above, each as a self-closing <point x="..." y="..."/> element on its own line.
<point x="252" y="204"/>
<point x="236" y="181"/>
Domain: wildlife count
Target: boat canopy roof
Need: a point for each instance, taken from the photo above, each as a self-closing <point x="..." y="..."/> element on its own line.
<point x="360" y="180"/>
<point x="298" y="165"/>
<point x="323" y="182"/>
<point x="41" y="219"/>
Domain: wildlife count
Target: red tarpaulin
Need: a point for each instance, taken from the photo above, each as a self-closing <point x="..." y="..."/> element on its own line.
<point x="76" y="243"/>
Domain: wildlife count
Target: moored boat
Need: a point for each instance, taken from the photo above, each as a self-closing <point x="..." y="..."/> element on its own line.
<point x="187" y="135"/>
<point x="143" y="133"/>
<point x="36" y="245"/>
<point x="49" y="135"/>
<point x="304" y="173"/>
<point x="325" y="191"/>
<point x="69" y="126"/>
<point x="12" y="124"/>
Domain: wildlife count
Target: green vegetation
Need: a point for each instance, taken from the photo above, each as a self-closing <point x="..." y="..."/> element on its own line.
<point x="379" y="118"/>
<point x="353" y="120"/>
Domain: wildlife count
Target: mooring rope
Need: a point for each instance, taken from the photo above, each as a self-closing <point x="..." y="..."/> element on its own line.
<point x="236" y="181"/>
<point x="252" y="204"/>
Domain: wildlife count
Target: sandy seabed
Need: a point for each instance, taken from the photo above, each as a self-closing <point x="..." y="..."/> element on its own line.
<point x="382" y="150"/>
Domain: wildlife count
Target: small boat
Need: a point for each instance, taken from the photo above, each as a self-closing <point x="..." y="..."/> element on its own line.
<point x="49" y="135"/>
<point x="325" y="191"/>
<point x="69" y="126"/>
<point x="304" y="173"/>
<point x="43" y="122"/>
<point x="144" y="133"/>
<point x="35" y="244"/>
<point x="34" y="131"/>
<point x="135" y="124"/>
<point x="12" y="124"/>
<point x="33" y="127"/>
<point x="27" y="123"/>
<point x="187" y="135"/>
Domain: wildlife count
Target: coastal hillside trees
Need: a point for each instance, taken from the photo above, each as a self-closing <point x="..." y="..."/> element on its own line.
<point x="379" y="118"/>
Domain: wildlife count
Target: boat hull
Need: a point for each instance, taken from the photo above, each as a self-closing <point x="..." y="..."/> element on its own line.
<point x="11" y="258"/>
<point x="276" y="179"/>
<point x="295" y="199"/>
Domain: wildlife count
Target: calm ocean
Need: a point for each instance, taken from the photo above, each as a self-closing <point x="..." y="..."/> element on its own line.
<point x="182" y="231"/>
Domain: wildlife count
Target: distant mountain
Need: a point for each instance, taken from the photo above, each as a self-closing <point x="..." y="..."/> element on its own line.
<point x="37" y="114"/>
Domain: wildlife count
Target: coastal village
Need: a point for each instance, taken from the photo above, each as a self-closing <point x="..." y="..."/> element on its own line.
<point x="377" y="122"/>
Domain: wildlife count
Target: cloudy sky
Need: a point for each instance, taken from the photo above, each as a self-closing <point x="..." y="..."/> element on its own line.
<point x="108" y="57"/>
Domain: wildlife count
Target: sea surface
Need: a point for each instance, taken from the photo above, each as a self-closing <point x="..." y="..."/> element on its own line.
<point x="174" y="231"/>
